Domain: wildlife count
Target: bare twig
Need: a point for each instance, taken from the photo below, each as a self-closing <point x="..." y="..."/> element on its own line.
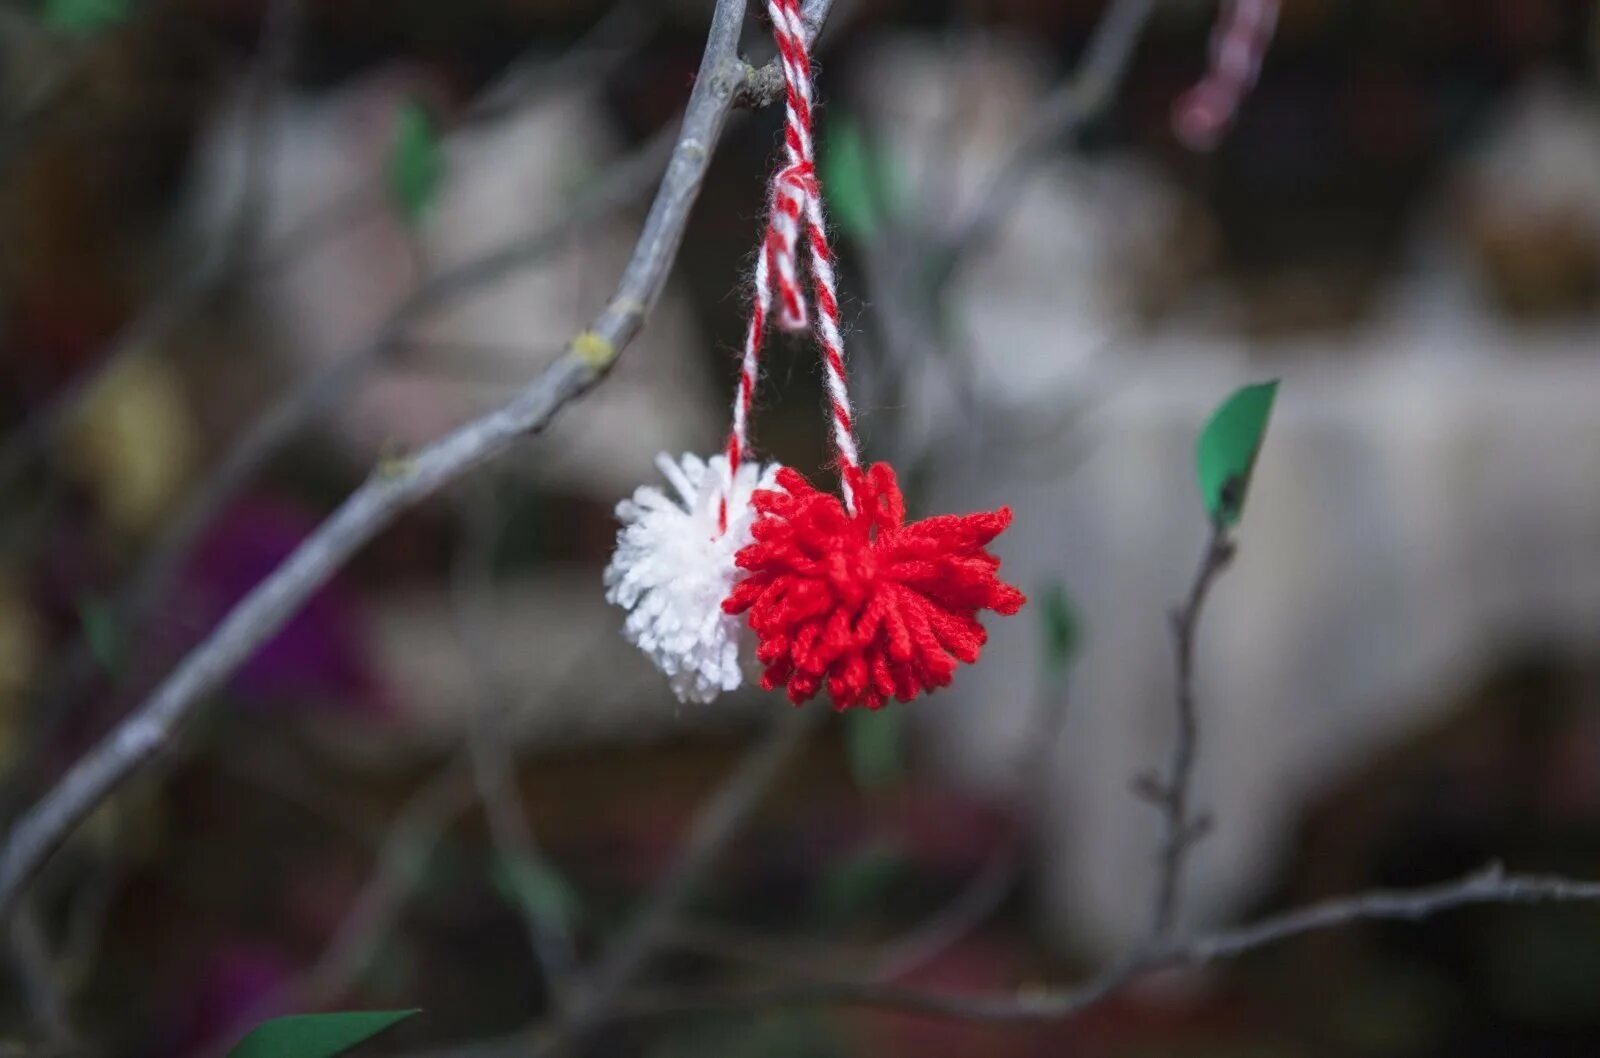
<point x="1488" y="886"/>
<point x="416" y="831"/>
<point x="1171" y="794"/>
<point x="1063" y="112"/>
<point x="41" y="980"/>
<point x="908" y="306"/>
<point x="594" y="996"/>
<point x="714" y="826"/>
<point x="488" y="741"/>
<point x="153" y="726"/>
<point x="988" y="889"/>
<point x="619" y="33"/>
<point x="421" y="823"/>
<point x="977" y="901"/>
<point x="401" y="859"/>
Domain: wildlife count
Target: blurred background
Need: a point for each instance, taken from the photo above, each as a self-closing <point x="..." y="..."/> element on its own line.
<point x="229" y="231"/>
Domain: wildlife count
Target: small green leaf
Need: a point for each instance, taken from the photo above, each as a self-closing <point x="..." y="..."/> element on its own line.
<point x="536" y="887"/>
<point x="315" y="1035"/>
<point x="875" y="744"/>
<point x="1061" y="628"/>
<point x="416" y="162"/>
<point x="101" y="633"/>
<point x="862" y="184"/>
<point x="1226" y="454"/>
<point x="84" y="16"/>
<point x="849" y="180"/>
<point x="860" y="882"/>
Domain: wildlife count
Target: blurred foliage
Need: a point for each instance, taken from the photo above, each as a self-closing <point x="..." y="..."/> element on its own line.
<point x="535" y="886"/>
<point x="1063" y="631"/>
<point x="416" y="162"/>
<point x="84" y="16"/>
<point x="876" y="743"/>
<point x="857" y="884"/>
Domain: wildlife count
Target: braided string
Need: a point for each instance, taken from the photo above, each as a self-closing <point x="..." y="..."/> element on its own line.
<point x="1238" y="43"/>
<point x="796" y="204"/>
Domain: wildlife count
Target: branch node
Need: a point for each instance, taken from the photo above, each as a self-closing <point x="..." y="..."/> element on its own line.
<point x="596" y="352"/>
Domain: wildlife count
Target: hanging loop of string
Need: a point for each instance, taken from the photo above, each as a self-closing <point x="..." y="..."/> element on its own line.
<point x="795" y="211"/>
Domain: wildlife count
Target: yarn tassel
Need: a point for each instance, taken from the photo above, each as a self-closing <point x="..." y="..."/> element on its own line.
<point x="674" y="565"/>
<point x="862" y="603"/>
<point x="844" y="594"/>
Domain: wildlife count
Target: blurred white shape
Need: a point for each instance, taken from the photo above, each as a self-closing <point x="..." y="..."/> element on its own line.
<point x="354" y="262"/>
<point x="1543" y="153"/>
<point x="1426" y="501"/>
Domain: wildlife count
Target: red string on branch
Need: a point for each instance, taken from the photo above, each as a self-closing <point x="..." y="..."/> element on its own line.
<point x="861" y="602"/>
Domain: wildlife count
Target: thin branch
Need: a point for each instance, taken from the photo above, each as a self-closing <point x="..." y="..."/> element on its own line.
<point x="417" y="830"/>
<point x="619" y="33"/>
<point x="1487" y="885"/>
<point x="655" y="925"/>
<point x="974" y="905"/>
<point x="41" y="980"/>
<point x="322" y="389"/>
<point x="989" y="887"/>
<point x="1062" y="113"/>
<point x="1490" y="886"/>
<point x="1171" y="794"/>
<point x="714" y="826"/>
<point x="401" y="859"/>
<point x="969" y="909"/>
<point x="154" y="725"/>
<point x="488" y="741"/>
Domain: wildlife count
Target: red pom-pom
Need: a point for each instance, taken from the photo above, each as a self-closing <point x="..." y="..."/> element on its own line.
<point x="871" y="606"/>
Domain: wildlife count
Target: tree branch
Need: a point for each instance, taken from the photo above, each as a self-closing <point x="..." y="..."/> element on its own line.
<point x="1488" y="886"/>
<point x="1181" y="827"/>
<point x="152" y="726"/>
<point x="1063" y="112"/>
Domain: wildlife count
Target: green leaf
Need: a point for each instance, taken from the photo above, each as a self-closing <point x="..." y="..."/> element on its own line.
<point x="862" y="185"/>
<point x="315" y="1035"/>
<point x="101" y="633"/>
<point x="1061" y="628"/>
<point x="537" y="887"/>
<point x="860" y="882"/>
<point x="84" y="16"/>
<point x="849" y="180"/>
<point x="416" y="162"/>
<point x="875" y="744"/>
<point x="1226" y="454"/>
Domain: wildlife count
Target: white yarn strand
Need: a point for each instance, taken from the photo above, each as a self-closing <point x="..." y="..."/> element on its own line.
<point x="673" y="567"/>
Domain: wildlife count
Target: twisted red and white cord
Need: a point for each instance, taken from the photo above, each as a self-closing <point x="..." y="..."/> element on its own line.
<point x="674" y="561"/>
<point x="1238" y="43"/>
<point x="846" y="597"/>
<point x="796" y="208"/>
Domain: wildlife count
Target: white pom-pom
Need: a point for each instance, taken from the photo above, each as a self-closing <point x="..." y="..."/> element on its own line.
<point x="673" y="568"/>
